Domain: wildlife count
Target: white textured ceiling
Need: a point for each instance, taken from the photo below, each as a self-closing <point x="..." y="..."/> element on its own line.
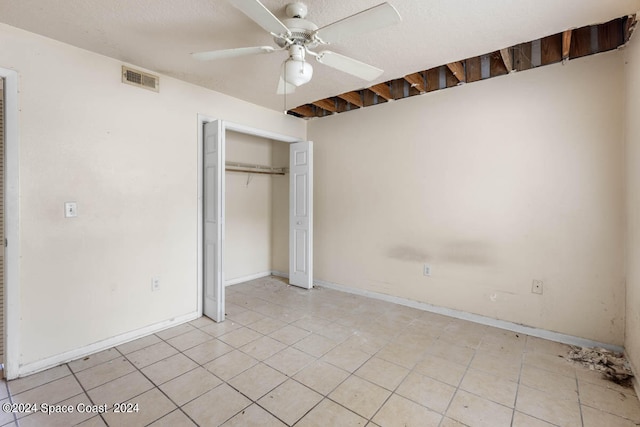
<point x="160" y="35"/>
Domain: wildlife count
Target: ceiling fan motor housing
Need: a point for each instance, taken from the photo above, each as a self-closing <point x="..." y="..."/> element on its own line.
<point x="301" y="32"/>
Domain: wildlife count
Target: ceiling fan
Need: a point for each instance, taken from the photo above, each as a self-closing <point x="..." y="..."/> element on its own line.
<point x="298" y="37"/>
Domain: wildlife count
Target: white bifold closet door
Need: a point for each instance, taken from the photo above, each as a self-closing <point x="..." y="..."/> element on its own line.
<point x="214" y="220"/>
<point x="301" y="214"/>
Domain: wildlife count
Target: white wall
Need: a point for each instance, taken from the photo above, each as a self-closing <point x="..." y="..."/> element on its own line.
<point x="280" y="211"/>
<point x="257" y="216"/>
<point x="494" y="184"/>
<point x="248" y="209"/>
<point x="128" y="157"/>
<point x="632" y="336"/>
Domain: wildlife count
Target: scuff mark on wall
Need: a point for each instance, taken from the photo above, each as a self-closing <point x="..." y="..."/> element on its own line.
<point x="408" y="253"/>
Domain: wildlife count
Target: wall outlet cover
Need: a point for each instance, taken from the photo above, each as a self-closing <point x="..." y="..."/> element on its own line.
<point x="427" y="270"/>
<point x="536" y="286"/>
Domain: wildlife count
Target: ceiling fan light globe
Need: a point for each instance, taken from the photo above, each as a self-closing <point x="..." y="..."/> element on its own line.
<point x="297" y="73"/>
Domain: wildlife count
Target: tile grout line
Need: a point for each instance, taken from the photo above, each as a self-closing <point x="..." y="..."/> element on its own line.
<point x="316" y="360"/>
<point x="444" y="414"/>
<point x="86" y="391"/>
<point x="240" y="373"/>
<point x="579" y="401"/>
<point x="10" y="397"/>
<point x="423" y="356"/>
<point x="156" y="386"/>
<point x="522" y="360"/>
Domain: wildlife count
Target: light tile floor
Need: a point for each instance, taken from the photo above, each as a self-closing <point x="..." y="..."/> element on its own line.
<point x="287" y="356"/>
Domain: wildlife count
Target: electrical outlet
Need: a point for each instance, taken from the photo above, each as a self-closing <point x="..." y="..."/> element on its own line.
<point x="536" y="287"/>
<point x="427" y="270"/>
<point x="155" y="284"/>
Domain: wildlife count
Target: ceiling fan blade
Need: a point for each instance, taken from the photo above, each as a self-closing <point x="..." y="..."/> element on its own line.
<point x="349" y="65"/>
<point x="261" y="15"/>
<point x="371" y="19"/>
<point x="284" y="87"/>
<point x="232" y="53"/>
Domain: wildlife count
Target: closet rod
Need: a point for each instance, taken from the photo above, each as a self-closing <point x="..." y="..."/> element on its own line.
<point x="251" y="168"/>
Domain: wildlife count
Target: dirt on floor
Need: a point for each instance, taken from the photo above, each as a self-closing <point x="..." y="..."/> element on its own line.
<point x="613" y="366"/>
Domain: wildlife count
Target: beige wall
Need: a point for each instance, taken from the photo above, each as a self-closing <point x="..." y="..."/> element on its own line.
<point x="280" y="211"/>
<point x="632" y="336"/>
<point x="128" y="157"/>
<point x="248" y="208"/>
<point x="257" y="216"/>
<point x="493" y="184"/>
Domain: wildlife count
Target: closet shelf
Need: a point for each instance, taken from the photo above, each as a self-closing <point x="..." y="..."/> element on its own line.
<point x="251" y="168"/>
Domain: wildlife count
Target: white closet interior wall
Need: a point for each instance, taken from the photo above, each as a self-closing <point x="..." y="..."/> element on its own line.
<point x="256" y="231"/>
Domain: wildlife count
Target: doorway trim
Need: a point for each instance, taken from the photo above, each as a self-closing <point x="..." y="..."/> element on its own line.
<point x="12" y="226"/>
<point x="234" y="127"/>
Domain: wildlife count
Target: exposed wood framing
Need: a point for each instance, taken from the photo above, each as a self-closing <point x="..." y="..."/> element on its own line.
<point x="609" y="36"/>
<point x="457" y="69"/>
<point x="354" y="98"/>
<point x="416" y="80"/>
<point x="522" y="57"/>
<point x="303" y="111"/>
<point x="328" y="104"/>
<point x="629" y="27"/>
<point x="497" y="67"/>
<point x="580" y="43"/>
<point x="433" y="79"/>
<point x="552" y="49"/>
<point x="397" y="88"/>
<point x="474" y="69"/>
<point x="383" y="90"/>
<point x="566" y="44"/>
<point x="506" y="59"/>
<point x="342" y="105"/>
<point x="450" y="79"/>
<point x="371" y="98"/>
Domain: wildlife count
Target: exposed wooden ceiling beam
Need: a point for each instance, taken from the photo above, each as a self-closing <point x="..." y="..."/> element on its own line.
<point x="506" y="58"/>
<point x="433" y="79"/>
<point x="566" y="44"/>
<point x="304" y="110"/>
<point x="326" y="104"/>
<point x="352" y="98"/>
<point x="416" y="80"/>
<point x="382" y="89"/>
<point x="341" y="105"/>
<point x="548" y="50"/>
<point x="458" y="70"/>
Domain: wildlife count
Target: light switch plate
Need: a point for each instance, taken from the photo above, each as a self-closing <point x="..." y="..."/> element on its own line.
<point x="70" y="209"/>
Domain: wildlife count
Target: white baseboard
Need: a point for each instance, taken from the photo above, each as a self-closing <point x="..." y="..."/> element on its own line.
<point x="280" y="274"/>
<point x="50" y="362"/>
<point x="502" y="324"/>
<point x="243" y="279"/>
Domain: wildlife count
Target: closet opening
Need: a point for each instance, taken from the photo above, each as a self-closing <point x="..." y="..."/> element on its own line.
<point x="255" y="209"/>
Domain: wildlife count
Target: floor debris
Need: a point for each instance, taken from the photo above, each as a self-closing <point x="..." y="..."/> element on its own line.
<point x="613" y="366"/>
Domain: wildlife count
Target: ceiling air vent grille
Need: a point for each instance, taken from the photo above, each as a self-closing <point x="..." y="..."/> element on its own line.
<point x="140" y="79"/>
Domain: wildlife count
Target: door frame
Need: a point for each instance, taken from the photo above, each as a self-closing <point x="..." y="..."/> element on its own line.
<point x="12" y="226"/>
<point x="234" y="127"/>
